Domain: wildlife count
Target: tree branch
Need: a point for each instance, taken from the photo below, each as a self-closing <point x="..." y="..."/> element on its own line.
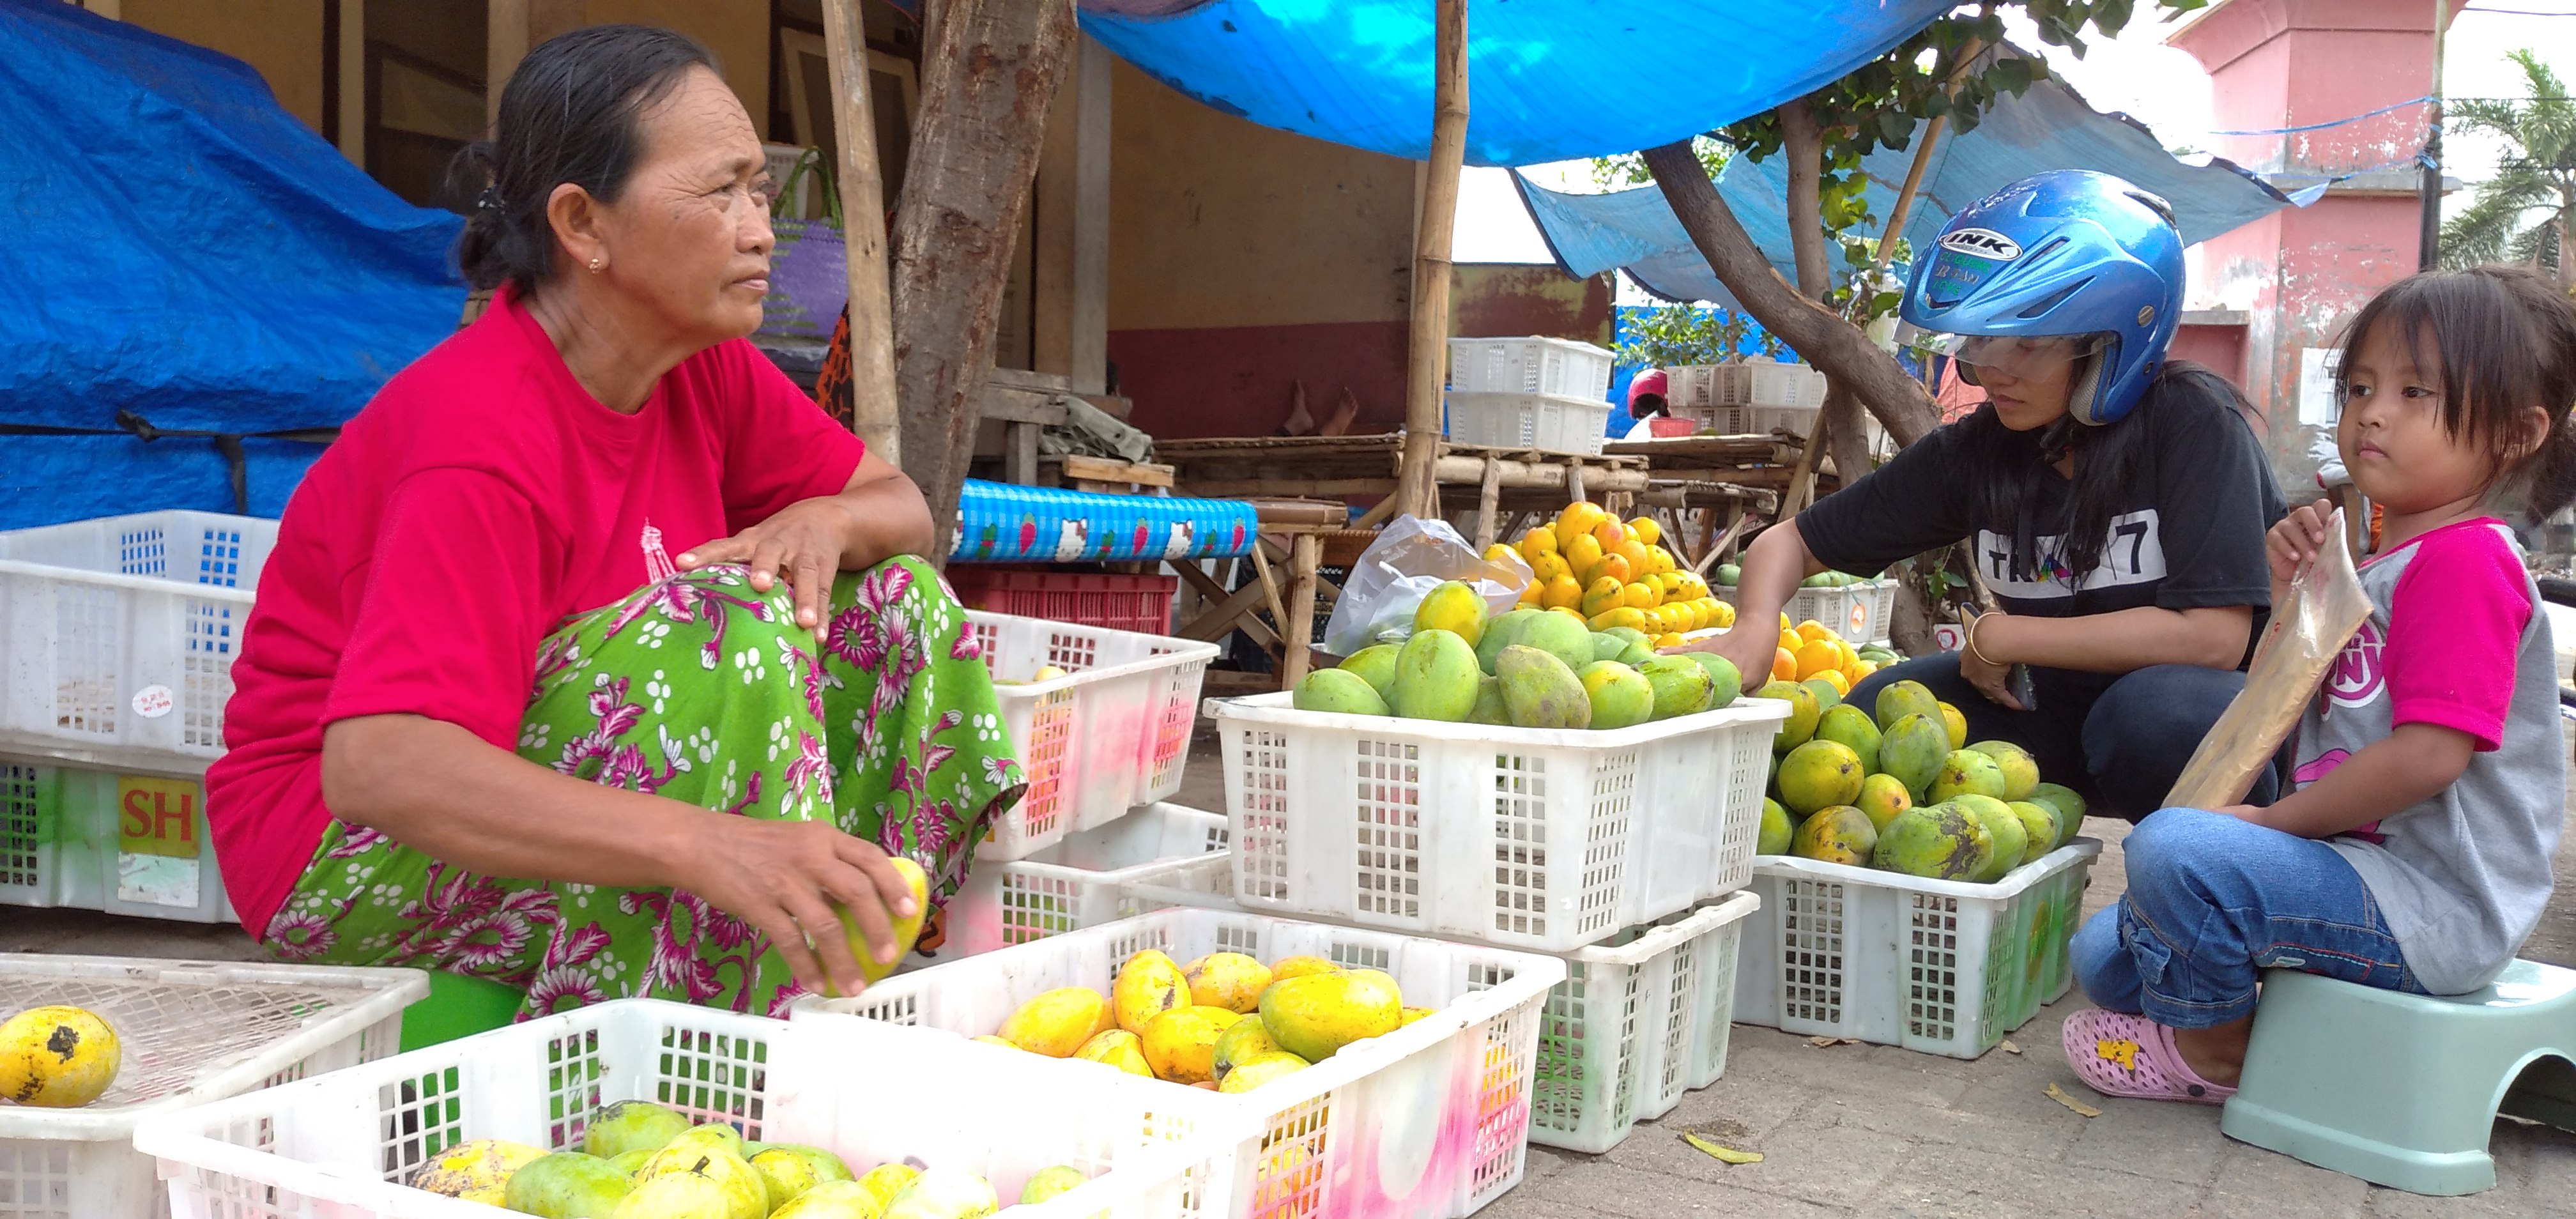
<point x="1818" y="333"/>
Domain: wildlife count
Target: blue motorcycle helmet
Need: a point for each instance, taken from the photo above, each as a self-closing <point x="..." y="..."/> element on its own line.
<point x="2069" y="254"/>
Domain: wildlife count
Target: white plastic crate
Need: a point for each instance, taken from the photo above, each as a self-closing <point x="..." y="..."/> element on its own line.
<point x="1077" y="882"/>
<point x="1532" y="365"/>
<point x="1430" y="1121"/>
<point x="189" y="1032"/>
<point x="1636" y="1023"/>
<point x="1112" y="735"/>
<point x="1854" y="612"/>
<point x="341" y="1144"/>
<point x="1756" y="381"/>
<point x="1941" y="966"/>
<point x="1875" y="602"/>
<point x="129" y="844"/>
<point x="1521" y="837"/>
<point x="1529" y="421"/>
<point x="117" y="636"/>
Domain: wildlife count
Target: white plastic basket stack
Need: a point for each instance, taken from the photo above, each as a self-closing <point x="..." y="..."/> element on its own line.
<point x="1112" y="735"/>
<point x="340" y="1145"/>
<point x="1529" y="421"/>
<point x="1520" y="837"/>
<point x="1079" y="881"/>
<point x="1747" y="398"/>
<point x="189" y="1033"/>
<point x="1532" y="365"/>
<point x="117" y="636"/>
<point x="1945" y="967"/>
<point x="1430" y="1121"/>
<point x="1638" y="1021"/>
<point x="1529" y="393"/>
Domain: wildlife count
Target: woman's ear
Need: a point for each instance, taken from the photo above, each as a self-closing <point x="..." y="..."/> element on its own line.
<point x="578" y="226"/>
<point x="2530" y="431"/>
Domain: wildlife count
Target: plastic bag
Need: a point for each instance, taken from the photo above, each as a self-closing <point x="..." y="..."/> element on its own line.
<point x="1411" y="557"/>
<point x="2325" y="606"/>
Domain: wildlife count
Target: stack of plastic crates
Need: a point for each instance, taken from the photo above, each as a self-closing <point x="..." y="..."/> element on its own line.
<point x="117" y="641"/>
<point x="1621" y="854"/>
<point x="1529" y="393"/>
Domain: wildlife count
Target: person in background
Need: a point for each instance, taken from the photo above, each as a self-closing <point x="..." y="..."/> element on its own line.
<point x="1646" y="403"/>
<point x="2414" y="853"/>
<point x="2112" y="499"/>
<point x="594" y="659"/>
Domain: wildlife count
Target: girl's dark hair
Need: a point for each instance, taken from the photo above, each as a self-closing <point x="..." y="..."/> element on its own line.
<point x="2504" y="340"/>
<point x="571" y="113"/>
<point x="2111" y="460"/>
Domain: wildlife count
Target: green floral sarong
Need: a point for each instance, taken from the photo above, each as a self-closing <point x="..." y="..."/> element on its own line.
<point x="698" y="689"/>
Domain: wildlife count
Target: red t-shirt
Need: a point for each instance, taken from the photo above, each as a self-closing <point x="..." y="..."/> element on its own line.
<point x="500" y="498"/>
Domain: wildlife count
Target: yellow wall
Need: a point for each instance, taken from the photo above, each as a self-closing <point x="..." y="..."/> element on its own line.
<point x="281" y="38"/>
<point x="1214" y="221"/>
<point x="736" y="30"/>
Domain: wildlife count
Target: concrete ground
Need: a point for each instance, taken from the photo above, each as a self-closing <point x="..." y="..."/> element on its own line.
<point x="1848" y="1129"/>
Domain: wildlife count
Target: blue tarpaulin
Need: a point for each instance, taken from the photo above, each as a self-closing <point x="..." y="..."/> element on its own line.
<point x="1547" y="80"/>
<point x="2048" y="127"/>
<point x="185" y="256"/>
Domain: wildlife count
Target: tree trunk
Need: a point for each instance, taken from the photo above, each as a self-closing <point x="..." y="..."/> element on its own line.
<point x="2566" y="254"/>
<point x="1819" y="334"/>
<point x="989" y="70"/>
<point x="1802" y="142"/>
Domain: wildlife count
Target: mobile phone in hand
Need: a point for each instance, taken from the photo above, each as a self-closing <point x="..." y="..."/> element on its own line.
<point x="2024" y="692"/>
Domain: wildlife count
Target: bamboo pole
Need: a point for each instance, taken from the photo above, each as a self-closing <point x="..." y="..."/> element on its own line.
<point x="1904" y="207"/>
<point x="862" y="186"/>
<point x="1427" y="348"/>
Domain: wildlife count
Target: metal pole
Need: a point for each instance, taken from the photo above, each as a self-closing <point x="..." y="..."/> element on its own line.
<point x="2428" y="254"/>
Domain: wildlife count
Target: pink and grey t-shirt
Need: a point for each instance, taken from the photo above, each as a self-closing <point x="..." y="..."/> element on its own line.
<point x="2456" y="637"/>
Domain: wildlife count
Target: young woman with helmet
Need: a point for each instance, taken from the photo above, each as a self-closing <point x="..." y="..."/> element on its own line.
<point x="2115" y="501"/>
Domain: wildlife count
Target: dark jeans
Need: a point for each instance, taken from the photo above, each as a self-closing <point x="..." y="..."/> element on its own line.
<point x="2119" y="741"/>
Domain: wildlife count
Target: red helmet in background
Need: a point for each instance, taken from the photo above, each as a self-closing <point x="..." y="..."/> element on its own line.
<point x="1650" y="382"/>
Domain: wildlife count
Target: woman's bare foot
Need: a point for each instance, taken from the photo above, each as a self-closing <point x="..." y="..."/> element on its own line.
<point x="2216" y="1053"/>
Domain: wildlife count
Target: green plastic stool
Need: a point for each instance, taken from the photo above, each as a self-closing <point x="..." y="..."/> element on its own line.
<point x="458" y="1006"/>
<point x="2403" y="1090"/>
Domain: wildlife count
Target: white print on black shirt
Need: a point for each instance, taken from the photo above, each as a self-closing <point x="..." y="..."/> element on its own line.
<point x="2133" y="554"/>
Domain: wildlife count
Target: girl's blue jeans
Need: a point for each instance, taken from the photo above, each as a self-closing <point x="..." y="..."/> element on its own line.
<point x="2212" y="902"/>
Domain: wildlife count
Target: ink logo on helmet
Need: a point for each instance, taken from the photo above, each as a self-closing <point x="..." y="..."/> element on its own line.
<point x="1983" y="243"/>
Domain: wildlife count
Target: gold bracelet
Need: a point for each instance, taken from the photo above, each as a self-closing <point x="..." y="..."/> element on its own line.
<point x="1973" y="649"/>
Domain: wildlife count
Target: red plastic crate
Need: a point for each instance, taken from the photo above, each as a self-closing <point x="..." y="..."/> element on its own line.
<point x="1102" y="599"/>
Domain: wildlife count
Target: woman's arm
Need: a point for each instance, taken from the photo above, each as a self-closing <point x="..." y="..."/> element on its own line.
<point x="2386" y="778"/>
<point x="441" y="790"/>
<point x="878" y="515"/>
<point x="1773" y="565"/>
<point x="2120" y="641"/>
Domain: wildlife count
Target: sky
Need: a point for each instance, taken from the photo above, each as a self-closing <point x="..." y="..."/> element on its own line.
<point x="2159" y="85"/>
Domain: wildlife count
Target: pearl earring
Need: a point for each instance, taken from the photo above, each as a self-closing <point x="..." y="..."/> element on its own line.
<point x="596" y="264"/>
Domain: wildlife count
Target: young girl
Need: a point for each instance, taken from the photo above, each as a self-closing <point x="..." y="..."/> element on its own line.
<point x="2429" y="777"/>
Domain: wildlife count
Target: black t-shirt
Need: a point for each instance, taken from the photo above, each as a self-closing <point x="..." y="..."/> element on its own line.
<point x="2191" y="535"/>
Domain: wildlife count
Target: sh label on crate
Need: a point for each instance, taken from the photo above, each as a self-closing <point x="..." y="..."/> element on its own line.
<point x="153" y="702"/>
<point x="157" y="847"/>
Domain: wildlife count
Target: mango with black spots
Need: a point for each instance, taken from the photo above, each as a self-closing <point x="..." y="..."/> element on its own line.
<point x="1911" y="751"/>
<point x="1819" y="774"/>
<point x="58" y="1057"/>
<point x="1839" y="834"/>
<point x="1898" y="699"/>
<point x="1935" y="842"/>
<point x="2004" y="826"/>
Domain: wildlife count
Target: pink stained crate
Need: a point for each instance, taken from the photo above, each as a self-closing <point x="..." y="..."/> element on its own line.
<point x="1109" y="599"/>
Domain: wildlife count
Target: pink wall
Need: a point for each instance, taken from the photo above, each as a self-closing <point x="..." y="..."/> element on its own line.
<point x="2300" y="272"/>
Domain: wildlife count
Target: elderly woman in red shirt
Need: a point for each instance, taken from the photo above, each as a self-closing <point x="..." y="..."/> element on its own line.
<point x="593" y="659"/>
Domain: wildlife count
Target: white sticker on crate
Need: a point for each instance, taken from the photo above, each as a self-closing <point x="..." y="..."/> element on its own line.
<point x="158" y="880"/>
<point x="153" y="702"/>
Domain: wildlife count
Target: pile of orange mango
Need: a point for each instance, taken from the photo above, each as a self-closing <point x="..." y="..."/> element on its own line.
<point x="1611" y="573"/>
<point x="1812" y="650"/>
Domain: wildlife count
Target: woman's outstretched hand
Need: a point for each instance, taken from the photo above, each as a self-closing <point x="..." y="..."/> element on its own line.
<point x="1750" y="649"/>
<point x="784" y="878"/>
<point x="803" y="545"/>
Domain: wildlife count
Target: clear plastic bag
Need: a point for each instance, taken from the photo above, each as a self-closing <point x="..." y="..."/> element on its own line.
<point x="2326" y="604"/>
<point x="1411" y="557"/>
